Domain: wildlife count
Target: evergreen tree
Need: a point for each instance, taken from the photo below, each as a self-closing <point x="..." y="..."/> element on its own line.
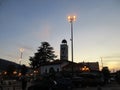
<point x="44" y="54"/>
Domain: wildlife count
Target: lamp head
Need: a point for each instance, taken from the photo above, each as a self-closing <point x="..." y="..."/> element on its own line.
<point x="21" y="49"/>
<point x="71" y="18"/>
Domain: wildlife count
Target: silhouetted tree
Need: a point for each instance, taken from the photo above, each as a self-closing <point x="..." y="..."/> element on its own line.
<point x="44" y="54"/>
<point x="10" y="69"/>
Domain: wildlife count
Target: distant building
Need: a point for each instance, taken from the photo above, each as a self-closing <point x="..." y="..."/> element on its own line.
<point x="60" y="65"/>
<point x="56" y="65"/>
<point x="82" y="66"/>
<point x="5" y="63"/>
<point x="91" y="66"/>
<point x="66" y="65"/>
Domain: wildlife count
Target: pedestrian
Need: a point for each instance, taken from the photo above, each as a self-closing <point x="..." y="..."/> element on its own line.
<point x="99" y="87"/>
<point x="24" y="83"/>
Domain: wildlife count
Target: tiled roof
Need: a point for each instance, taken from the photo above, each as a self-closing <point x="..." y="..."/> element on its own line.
<point x="55" y="62"/>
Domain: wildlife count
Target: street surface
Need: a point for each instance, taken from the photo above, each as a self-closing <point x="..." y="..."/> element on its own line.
<point x="111" y="86"/>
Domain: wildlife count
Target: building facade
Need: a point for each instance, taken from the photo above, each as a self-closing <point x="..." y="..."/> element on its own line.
<point x="65" y="64"/>
<point x="56" y="65"/>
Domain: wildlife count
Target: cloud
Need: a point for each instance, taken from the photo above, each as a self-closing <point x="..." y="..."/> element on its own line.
<point x="25" y="47"/>
<point x="28" y="48"/>
<point x="113" y="65"/>
<point x="11" y="56"/>
<point x="45" y="33"/>
<point x="41" y="29"/>
<point x="111" y="57"/>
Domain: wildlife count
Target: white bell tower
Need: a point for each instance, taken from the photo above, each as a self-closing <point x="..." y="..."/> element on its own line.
<point x="64" y="50"/>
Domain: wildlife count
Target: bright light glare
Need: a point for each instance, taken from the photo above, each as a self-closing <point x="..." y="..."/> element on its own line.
<point x="71" y="18"/>
<point x="21" y="49"/>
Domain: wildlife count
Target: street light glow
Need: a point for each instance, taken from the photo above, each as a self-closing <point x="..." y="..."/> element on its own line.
<point x="21" y="49"/>
<point x="71" y="18"/>
<point x="21" y="54"/>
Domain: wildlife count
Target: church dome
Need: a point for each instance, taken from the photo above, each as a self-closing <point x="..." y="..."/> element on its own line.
<point x="64" y="41"/>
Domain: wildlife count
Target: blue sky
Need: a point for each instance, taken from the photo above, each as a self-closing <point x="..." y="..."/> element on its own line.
<point x="27" y="23"/>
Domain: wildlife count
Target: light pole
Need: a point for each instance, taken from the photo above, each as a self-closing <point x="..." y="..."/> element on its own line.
<point x="21" y="54"/>
<point x="71" y="19"/>
<point x="101" y="62"/>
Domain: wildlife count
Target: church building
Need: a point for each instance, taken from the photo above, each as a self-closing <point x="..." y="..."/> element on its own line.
<point x="64" y="50"/>
<point x="65" y="64"/>
<point x="57" y="65"/>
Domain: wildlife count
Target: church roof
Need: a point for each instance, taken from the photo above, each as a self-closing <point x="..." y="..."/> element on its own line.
<point x="64" y="41"/>
<point x="55" y="62"/>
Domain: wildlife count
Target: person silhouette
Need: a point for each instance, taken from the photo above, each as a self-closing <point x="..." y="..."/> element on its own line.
<point x="24" y="83"/>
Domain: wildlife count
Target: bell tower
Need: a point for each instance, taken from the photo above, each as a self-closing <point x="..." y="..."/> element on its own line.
<point x="64" y="50"/>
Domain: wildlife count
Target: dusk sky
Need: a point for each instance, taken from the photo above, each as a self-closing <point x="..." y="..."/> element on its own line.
<point x="27" y="23"/>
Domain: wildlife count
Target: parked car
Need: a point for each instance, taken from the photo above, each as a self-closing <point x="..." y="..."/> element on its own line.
<point x="91" y="79"/>
<point x="77" y="81"/>
<point x="50" y="84"/>
<point x="44" y="84"/>
<point x="64" y="84"/>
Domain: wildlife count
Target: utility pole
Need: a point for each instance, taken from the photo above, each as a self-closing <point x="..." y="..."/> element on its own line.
<point x="101" y="62"/>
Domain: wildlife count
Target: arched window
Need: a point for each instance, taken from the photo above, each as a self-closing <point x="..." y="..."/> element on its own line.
<point x="51" y="70"/>
<point x="45" y="70"/>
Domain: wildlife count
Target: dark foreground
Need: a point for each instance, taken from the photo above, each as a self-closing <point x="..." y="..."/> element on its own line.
<point x="110" y="86"/>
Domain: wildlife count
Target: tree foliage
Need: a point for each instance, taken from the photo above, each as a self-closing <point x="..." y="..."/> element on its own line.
<point x="44" y="54"/>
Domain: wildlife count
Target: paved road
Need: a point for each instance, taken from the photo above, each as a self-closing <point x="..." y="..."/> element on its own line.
<point x="102" y="88"/>
<point x="112" y="86"/>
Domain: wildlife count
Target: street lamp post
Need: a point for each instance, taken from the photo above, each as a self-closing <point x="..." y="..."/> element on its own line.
<point x="71" y="19"/>
<point x="21" y="54"/>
